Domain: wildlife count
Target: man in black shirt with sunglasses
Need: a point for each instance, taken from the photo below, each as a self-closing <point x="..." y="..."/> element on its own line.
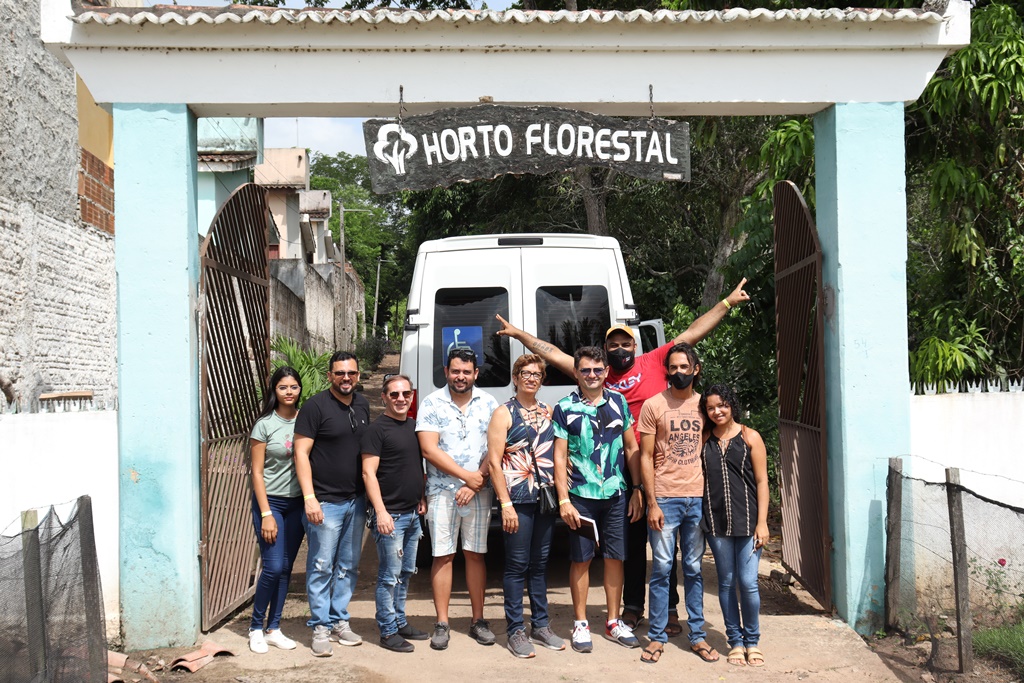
<point x="393" y="474"/>
<point x="329" y="468"/>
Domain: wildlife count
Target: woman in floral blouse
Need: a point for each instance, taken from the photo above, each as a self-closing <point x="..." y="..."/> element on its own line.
<point x="519" y="445"/>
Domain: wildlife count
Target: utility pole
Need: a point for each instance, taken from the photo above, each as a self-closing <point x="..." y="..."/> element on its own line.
<point x="376" y="293"/>
<point x="344" y="273"/>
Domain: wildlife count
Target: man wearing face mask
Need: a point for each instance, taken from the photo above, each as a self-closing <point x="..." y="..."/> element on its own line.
<point x="670" y="440"/>
<point x="637" y="379"/>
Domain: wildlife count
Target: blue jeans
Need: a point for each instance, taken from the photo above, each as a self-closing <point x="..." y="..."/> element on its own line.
<point x="526" y="565"/>
<point x="682" y="523"/>
<point x="332" y="565"/>
<point x="277" y="559"/>
<point x="396" y="555"/>
<point x="737" y="562"/>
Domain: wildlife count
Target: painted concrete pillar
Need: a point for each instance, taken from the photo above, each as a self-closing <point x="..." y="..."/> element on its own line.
<point x="862" y="225"/>
<point x="157" y="262"/>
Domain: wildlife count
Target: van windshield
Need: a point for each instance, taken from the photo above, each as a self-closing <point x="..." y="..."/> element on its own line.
<point x="464" y="318"/>
<point x="571" y="317"/>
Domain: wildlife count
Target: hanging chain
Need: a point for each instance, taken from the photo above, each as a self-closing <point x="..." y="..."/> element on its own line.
<point x="401" y="104"/>
<point x="650" y="97"/>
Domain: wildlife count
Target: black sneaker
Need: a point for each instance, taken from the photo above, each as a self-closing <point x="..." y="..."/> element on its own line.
<point x="410" y="632"/>
<point x="480" y="631"/>
<point x="439" y="640"/>
<point x="396" y="643"/>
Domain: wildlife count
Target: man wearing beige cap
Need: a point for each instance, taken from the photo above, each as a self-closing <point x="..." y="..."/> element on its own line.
<point x="638" y="379"/>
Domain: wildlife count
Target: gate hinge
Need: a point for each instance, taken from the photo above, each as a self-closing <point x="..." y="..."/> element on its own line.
<point x="202" y="550"/>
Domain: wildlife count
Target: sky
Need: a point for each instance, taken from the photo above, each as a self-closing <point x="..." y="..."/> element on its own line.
<point x="328" y="136"/>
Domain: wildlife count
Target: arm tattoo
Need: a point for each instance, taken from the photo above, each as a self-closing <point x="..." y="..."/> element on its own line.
<point x="542" y="347"/>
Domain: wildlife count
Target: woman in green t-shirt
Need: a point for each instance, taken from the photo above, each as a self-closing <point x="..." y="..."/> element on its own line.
<point x="277" y="508"/>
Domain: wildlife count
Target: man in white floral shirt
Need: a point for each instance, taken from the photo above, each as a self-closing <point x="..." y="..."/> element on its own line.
<point x="452" y="425"/>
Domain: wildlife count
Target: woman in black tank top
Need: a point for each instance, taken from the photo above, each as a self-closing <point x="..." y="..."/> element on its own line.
<point x="735" y="517"/>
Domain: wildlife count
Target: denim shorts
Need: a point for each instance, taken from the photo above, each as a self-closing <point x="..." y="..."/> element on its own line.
<point x="610" y="516"/>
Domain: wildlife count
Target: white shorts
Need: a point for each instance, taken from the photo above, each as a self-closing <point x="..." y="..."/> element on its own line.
<point x="446" y="520"/>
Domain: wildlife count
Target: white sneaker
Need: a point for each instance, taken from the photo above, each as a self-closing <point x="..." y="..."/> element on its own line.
<point x="344" y="635"/>
<point x="280" y="640"/>
<point x="581" y="638"/>
<point x="257" y="643"/>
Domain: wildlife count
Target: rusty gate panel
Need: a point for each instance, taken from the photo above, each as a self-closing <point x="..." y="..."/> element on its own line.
<point x="799" y="321"/>
<point x="234" y="364"/>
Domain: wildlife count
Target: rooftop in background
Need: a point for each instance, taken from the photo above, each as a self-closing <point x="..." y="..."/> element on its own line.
<point x="286" y="167"/>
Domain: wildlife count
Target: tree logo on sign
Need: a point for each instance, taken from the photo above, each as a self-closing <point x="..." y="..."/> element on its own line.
<point x="399" y="152"/>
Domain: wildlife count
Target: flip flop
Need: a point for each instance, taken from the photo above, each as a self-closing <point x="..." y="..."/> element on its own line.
<point x="737" y="656"/>
<point x="755" y="657"/>
<point x="704" y="651"/>
<point x="673" y="628"/>
<point x="649" y="656"/>
<point x="631" y="619"/>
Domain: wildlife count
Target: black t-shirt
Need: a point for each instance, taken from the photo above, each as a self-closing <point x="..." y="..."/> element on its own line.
<point x="335" y="429"/>
<point x="400" y="473"/>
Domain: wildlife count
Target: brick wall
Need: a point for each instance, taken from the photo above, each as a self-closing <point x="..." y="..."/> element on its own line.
<point x="96" y="193"/>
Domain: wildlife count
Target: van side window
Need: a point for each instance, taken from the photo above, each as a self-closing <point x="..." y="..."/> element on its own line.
<point x="464" y="318"/>
<point x="571" y="317"/>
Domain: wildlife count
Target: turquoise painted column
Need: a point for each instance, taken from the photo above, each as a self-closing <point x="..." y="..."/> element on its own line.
<point x="862" y="225"/>
<point x="157" y="262"/>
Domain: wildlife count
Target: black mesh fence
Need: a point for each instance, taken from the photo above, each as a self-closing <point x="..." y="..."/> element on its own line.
<point x="52" y="627"/>
<point x="990" y="550"/>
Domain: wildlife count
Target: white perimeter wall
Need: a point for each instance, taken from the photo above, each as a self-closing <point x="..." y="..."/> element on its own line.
<point x="981" y="434"/>
<point x="53" y="458"/>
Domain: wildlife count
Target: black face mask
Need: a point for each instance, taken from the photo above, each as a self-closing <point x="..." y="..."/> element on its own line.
<point x="621" y="359"/>
<point x="680" y="381"/>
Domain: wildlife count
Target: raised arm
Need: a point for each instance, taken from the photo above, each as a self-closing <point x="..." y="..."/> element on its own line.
<point x="703" y="325"/>
<point x="551" y="354"/>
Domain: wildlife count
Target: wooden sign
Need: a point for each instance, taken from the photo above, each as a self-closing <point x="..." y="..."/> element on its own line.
<point x="449" y="145"/>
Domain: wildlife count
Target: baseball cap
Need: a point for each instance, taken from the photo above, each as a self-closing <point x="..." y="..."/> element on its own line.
<point x="620" y="328"/>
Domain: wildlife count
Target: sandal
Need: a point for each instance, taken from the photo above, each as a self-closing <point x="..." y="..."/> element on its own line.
<point x="704" y="651"/>
<point x="631" y="619"/>
<point x="651" y="656"/>
<point x="755" y="657"/>
<point x="674" y="628"/>
<point x="737" y="656"/>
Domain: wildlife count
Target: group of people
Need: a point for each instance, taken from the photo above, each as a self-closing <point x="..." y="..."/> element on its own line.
<point x="633" y="454"/>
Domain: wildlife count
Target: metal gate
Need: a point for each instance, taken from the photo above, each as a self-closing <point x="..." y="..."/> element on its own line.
<point x="799" y="330"/>
<point x="234" y="358"/>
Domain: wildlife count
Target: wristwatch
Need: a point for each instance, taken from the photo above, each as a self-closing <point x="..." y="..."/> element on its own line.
<point x="639" y="487"/>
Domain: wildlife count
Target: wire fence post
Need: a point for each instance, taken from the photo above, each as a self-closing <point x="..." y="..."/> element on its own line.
<point x="893" y="540"/>
<point x="34" y="607"/>
<point x="961" y="576"/>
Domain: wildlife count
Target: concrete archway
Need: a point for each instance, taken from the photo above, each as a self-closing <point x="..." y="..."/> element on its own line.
<point x="157" y="70"/>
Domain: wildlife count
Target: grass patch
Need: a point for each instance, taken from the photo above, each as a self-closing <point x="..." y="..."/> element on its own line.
<point x="1005" y="644"/>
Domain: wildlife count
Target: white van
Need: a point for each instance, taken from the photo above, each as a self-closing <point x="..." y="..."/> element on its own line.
<point x="565" y="289"/>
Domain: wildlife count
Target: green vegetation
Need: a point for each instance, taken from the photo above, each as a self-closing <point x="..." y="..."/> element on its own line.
<point x="311" y="366"/>
<point x="1005" y="644"/>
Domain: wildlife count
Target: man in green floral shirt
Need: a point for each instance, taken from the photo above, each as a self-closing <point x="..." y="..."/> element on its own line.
<point x="594" y="444"/>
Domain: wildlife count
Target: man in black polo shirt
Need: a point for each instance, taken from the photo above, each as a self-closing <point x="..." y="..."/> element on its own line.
<point x="393" y="474"/>
<point x="328" y="465"/>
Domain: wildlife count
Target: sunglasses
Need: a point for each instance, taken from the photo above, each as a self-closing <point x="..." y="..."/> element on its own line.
<point x="345" y="373"/>
<point x="393" y="395"/>
<point x="586" y="372"/>
<point x="352" y="419"/>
